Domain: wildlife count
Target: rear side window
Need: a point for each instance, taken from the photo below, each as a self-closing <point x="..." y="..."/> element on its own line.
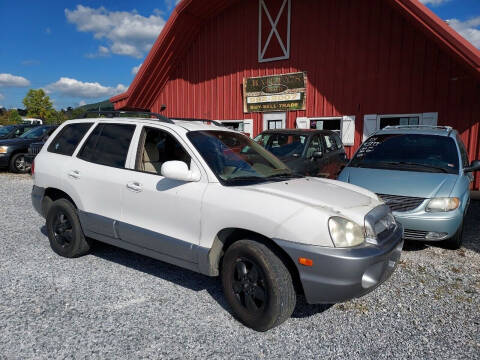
<point x="68" y="139"/>
<point x="108" y="145"/>
<point x="330" y="143"/>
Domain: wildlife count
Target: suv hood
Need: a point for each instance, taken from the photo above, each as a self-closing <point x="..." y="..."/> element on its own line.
<point x="402" y="183"/>
<point x="331" y="195"/>
<point x="16" y="141"/>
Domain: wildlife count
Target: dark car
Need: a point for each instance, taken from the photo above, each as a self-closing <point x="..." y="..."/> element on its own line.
<point x="14" y="131"/>
<point x="12" y="151"/>
<point x="308" y="152"/>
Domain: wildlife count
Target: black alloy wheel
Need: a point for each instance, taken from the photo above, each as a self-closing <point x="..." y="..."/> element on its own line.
<point x="249" y="285"/>
<point x="65" y="231"/>
<point x="62" y="229"/>
<point x="257" y="285"/>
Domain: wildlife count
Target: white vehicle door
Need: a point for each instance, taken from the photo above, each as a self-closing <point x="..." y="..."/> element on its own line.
<point x="96" y="175"/>
<point x="160" y="214"/>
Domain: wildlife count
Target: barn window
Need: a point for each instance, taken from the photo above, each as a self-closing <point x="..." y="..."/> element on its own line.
<point x="274" y="30"/>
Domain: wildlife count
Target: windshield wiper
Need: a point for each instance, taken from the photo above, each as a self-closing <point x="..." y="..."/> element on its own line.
<point x="244" y="179"/>
<point x="285" y="176"/>
<point x="417" y="165"/>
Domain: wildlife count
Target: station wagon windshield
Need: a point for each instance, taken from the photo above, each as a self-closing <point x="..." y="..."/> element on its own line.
<point x="408" y="152"/>
<point x="237" y="160"/>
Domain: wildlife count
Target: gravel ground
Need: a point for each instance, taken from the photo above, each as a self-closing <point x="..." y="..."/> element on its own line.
<point x="116" y="304"/>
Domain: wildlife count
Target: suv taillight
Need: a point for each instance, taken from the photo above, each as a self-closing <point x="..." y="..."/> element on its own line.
<point x="32" y="168"/>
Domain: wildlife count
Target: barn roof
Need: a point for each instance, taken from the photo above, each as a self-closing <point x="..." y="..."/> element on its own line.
<point x="188" y="17"/>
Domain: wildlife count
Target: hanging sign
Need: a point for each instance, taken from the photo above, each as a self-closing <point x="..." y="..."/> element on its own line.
<point x="284" y="92"/>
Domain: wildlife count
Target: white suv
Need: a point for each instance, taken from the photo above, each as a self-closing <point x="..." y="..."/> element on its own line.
<point x="213" y="201"/>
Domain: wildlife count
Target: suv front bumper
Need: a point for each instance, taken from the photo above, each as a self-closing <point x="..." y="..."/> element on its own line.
<point x="340" y="274"/>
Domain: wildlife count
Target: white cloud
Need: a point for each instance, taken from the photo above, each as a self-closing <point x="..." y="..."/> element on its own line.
<point x="102" y="51"/>
<point x="9" y="80"/>
<point x="127" y="33"/>
<point x="135" y="69"/>
<point x="2" y="97"/>
<point x="469" y="29"/>
<point x="79" y="89"/>
<point x="433" y="2"/>
<point x="82" y="102"/>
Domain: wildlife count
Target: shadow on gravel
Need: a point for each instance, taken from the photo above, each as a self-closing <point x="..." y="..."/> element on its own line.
<point x="184" y="277"/>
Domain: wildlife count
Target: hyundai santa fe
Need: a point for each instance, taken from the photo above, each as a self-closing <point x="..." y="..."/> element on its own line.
<point x="211" y="200"/>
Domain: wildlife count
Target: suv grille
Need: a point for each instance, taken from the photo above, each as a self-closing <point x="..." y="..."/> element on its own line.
<point x="34" y="149"/>
<point x="401" y="203"/>
<point x="414" y="234"/>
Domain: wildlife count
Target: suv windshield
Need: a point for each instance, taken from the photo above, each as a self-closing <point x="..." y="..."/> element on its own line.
<point x="34" y="133"/>
<point x="5" y="130"/>
<point x="408" y="152"/>
<point x="237" y="160"/>
<point x="284" y="145"/>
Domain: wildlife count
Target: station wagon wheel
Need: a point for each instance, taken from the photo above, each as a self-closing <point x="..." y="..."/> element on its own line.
<point x="257" y="285"/>
<point x="18" y="164"/>
<point x="249" y="285"/>
<point x="64" y="230"/>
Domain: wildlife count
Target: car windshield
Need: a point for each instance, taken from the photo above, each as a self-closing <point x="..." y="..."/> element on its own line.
<point x="283" y="145"/>
<point x="408" y="152"/>
<point x="4" y="130"/>
<point x="237" y="160"/>
<point x="34" y="133"/>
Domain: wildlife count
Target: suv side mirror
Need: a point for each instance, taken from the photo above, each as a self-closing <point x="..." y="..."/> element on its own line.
<point x="178" y="170"/>
<point x="317" y="155"/>
<point x="474" y="166"/>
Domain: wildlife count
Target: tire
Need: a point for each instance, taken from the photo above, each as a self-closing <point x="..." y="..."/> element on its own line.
<point x="455" y="242"/>
<point x="257" y="285"/>
<point x="18" y="165"/>
<point x="64" y="230"/>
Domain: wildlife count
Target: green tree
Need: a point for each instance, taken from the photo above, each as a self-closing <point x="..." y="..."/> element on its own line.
<point x="55" y="117"/>
<point x="38" y="104"/>
<point x="14" y="117"/>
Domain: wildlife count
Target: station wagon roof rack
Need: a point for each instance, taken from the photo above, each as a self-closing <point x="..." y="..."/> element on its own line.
<point x="447" y="128"/>
<point x="113" y="113"/>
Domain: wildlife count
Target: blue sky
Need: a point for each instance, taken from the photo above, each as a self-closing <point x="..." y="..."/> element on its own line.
<point x="86" y="51"/>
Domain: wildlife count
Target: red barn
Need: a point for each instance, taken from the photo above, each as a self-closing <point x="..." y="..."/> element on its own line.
<point x="352" y="66"/>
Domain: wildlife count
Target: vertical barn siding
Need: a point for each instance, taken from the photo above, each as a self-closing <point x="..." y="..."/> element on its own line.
<point x="361" y="57"/>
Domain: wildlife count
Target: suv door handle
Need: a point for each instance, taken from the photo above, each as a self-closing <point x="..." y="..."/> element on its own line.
<point x="75" y="174"/>
<point x="135" y="186"/>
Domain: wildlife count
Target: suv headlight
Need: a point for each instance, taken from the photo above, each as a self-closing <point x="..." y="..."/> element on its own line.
<point x="443" y="204"/>
<point x="345" y="233"/>
<point x="3" y="149"/>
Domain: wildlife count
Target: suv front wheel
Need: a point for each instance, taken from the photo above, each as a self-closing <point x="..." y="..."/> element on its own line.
<point x="257" y="285"/>
<point x="64" y="230"/>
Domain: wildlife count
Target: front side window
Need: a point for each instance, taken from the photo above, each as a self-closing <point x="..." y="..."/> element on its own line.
<point x="463" y="153"/>
<point x="236" y="159"/>
<point x="68" y="139"/>
<point x="108" y="145"/>
<point x="330" y="143"/>
<point x="315" y="146"/>
<point x="157" y="147"/>
<point x="408" y="152"/>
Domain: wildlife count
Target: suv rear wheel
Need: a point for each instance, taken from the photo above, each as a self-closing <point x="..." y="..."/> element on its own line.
<point x="64" y="230"/>
<point x="257" y="285"/>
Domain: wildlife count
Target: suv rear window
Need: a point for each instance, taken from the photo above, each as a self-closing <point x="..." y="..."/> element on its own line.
<point x="68" y="139"/>
<point x="108" y="145"/>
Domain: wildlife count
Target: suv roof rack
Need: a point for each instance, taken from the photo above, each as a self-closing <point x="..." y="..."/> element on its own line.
<point x="447" y="128"/>
<point x="113" y="113"/>
<point x="215" y="122"/>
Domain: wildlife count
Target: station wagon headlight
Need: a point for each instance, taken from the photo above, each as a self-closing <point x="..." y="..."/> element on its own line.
<point x="345" y="233"/>
<point x="443" y="204"/>
<point x="3" y="149"/>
